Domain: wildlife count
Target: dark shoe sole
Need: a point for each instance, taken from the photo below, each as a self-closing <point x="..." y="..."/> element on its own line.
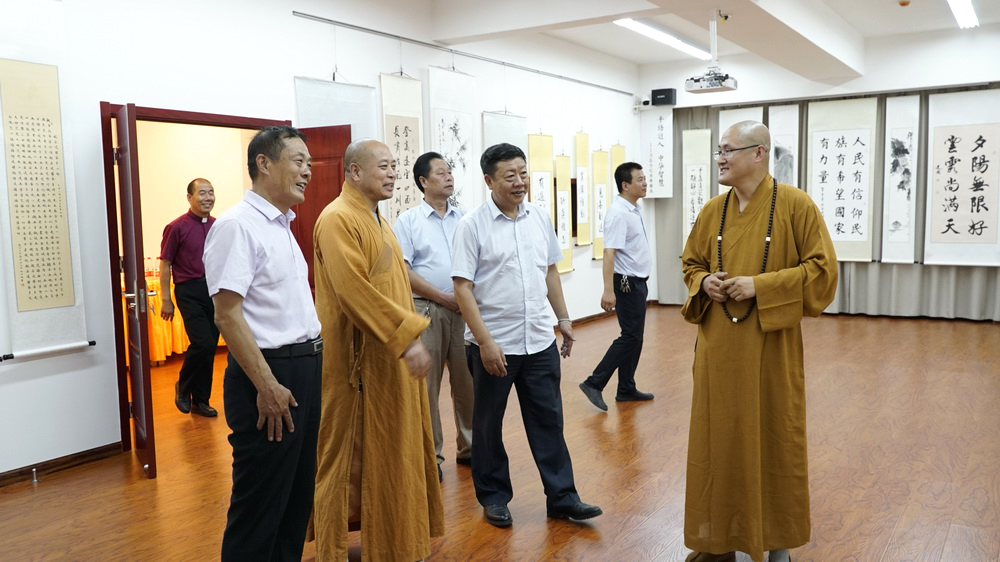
<point x="499" y="523"/>
<point x="633" y="398"/>
<point x="561" y="515"/>
<point x="464" y="462"/>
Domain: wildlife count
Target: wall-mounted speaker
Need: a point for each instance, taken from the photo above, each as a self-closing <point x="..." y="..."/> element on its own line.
<point x="666" y="96"/>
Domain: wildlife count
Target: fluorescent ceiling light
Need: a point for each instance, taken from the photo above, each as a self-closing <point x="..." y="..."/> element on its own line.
<point x="965" y="14"/>
<point x="664" y="38"/>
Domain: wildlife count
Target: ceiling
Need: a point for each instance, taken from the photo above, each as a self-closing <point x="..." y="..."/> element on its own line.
<point x="821" y="40"/>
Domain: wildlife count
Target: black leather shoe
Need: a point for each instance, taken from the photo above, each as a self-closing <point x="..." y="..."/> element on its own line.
<point x="183" y="402"/>
<point x="467" y="461"/>
<point x="635" y="396"/>
<point x="498" y="515"/>
<point x="577" y="512"/>
<point x="593" y="395"/>
<point x="204" y="410"/>
<point x="440" y="474"/>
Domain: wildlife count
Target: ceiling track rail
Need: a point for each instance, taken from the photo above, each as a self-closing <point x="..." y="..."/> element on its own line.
<point x="456" y="52"/>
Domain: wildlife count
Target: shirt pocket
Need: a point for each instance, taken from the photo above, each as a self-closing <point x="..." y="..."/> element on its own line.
<point x="278" y="267"/>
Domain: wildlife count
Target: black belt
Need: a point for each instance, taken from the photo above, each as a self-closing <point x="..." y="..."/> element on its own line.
<point x="311" y="347"/>
<point x="633" y="277"/>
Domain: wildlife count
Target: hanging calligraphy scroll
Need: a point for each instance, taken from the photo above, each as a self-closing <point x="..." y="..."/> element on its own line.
<point x="783" y="122"/>
<point x="840" y="178"/>
<point x="322" y="103"/>
<point x="603" y="182"/>
<point x="584" y="189"/>
<point x="899" y="196"/>
<point x="696" y="145"/>
<point x="43" y="305"/>
<point x="541" y="191"/>
<point x="963" y="179"/>
<point x="402" y="113"/>
<point x="504" y="127"/>
<point x="656" y="131"/>
<point x="617" y="159"/>
<point x="452" y="100"/>
<point x="564" y="210"/>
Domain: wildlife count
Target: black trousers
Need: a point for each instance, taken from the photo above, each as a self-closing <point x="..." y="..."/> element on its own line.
<point x="623" y="355"/>
<point x="273" y="482"/>
<point x="198" y="312"/>
<point x="536" y="378"/>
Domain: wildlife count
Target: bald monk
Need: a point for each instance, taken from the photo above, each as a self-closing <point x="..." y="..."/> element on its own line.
<point x="747" y="475"/>
<point x="376" y="458"/>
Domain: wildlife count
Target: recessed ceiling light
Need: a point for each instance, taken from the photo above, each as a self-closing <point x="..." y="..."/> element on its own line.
<point x="663" y="37"/>
<point x="965" y="14"/>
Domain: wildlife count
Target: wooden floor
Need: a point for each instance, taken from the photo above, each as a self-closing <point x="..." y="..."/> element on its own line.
<point x="904" y="419"/>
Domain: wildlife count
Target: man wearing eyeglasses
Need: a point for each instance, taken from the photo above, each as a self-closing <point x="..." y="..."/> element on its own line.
<point x="758" y="259"/>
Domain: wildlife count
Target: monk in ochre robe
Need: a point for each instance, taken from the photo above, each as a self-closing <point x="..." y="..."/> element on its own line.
<point x="376" y="463"/>
<point x="747" y="473"/>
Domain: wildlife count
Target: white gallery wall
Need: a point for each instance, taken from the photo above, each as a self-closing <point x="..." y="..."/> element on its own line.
<point x="892" y="64"/>
<point x="240" y="58"/>
<point x="223" y="57"/>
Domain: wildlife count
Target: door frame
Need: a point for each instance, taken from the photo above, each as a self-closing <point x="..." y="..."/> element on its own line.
<point x="107" y="113"/>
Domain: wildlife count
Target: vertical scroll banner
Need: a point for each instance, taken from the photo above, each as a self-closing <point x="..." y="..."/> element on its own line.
<point x="730" y="117"/>
<point x="322" y="103"/>
<point x="540" y="164"/>
<point x="504" y="127"/>
<point x="452" y="101"/>
<point x="783" y="121"/>
<point x="402" y="112"/>
<point x="584" y="189"/>
<point x="899" y="196"/>
<point x="38" y="239"/>
<point x="656" y="132"/>
<point x="564" y="210"/>
<point x="963" y="179"/>
<point x="602" y="183"/>
<point x="840" y="180"/>
<point x="696" y="145"/>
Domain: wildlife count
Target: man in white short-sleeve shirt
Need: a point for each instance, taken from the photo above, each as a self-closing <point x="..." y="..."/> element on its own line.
<point x="627" y="265"/>
<point x="425" y="234"/>
<point x="503" y="266"/>
<point x="259" y="283"/>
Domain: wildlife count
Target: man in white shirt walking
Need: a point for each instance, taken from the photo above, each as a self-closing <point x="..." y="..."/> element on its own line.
<point x="627" y="265"/>
<point x="504" y="271"/>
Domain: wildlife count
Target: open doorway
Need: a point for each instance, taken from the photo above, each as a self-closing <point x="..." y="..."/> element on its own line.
<point x="127" y="236"/>
<point x="125" y="161"/>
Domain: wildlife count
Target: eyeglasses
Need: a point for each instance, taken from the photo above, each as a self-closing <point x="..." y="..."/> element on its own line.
<point x="727" y="152"/>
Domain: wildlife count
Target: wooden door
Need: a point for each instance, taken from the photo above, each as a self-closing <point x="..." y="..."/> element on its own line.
<point x="326" y="146"/>
<point x="141" y="404"/>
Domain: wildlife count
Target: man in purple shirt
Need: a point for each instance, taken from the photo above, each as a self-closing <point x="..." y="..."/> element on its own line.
<point x="181" y="251"/>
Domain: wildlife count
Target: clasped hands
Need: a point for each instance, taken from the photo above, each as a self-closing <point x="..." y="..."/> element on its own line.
<point x="720" y="289"/>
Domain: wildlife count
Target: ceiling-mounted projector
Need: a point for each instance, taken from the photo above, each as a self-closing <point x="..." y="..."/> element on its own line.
<point x="712" y="81"/>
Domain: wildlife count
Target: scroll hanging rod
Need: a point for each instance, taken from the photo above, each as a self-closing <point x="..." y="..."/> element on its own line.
<point x="456" y="52"/>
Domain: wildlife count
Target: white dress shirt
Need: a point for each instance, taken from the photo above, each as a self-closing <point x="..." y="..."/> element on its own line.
<point x="250" y="250"/>
<point x="507" y="261"/>
<point x="425" y="237"/>
<point x="625" y="233"/>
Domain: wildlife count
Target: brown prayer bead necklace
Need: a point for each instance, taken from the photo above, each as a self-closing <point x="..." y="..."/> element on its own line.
<point x="767" y="246"/>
